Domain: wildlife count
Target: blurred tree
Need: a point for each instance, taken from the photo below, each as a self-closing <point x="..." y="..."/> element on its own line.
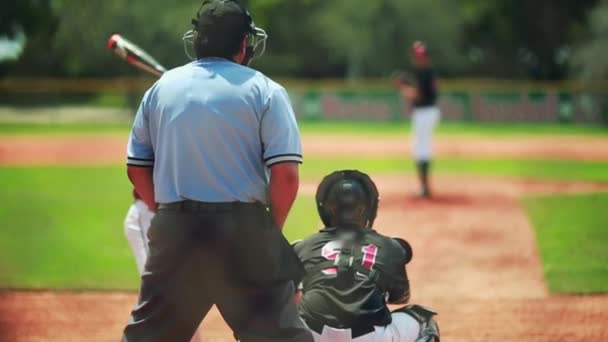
<point x="521" y="38"/>
<point x="84" y="28"/>
<point x="371" y="38"/>
<point x="294" y="45"/>
<point x="33" y="22"/>
<point x="319" y="38"/>
<point x="590" y="59"/>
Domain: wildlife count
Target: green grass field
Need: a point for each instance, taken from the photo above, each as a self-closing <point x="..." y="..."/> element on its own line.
<point x="338" y="128"/>
<point x="8" y="129"/>
<point x="452" y="128"/>
<point x="560" y="170"/>
<point x="572" y="232"/>
<point x="62" y="227"/>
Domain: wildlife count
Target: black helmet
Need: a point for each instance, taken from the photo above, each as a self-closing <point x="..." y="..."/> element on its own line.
<point x="223" y="22"/>
<point x="347" y="197"/>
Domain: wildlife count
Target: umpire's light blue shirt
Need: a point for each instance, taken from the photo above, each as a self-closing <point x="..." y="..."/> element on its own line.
<point x="211" y="129"/>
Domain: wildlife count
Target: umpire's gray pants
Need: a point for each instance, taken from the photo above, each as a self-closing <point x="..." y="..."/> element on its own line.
<point x="196" y="261"/>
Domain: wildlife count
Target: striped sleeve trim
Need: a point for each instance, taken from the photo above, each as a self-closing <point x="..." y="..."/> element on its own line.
<point x="283" y="158"/>
<point x="139" y="161"/>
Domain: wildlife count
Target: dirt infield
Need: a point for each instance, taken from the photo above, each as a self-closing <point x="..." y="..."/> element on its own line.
<point x="548" y="147"/>
<point x="475" y="256"/>
<point x="104" y="149"/>
<point x="52" y="316"/>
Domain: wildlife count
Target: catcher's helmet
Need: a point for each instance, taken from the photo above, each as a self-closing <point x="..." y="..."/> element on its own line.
<point x="347" y="197"/>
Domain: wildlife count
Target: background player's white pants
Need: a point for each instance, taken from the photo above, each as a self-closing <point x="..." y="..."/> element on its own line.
<point x="403" y="329"/>
<point x="424" y="120"/>
<point x="137" y="224"/>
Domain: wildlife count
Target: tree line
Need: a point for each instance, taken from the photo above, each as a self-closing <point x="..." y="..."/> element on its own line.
<point x="513" y="39"/>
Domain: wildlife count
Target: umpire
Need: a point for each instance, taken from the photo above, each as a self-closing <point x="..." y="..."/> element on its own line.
<point x="216" y="148"/>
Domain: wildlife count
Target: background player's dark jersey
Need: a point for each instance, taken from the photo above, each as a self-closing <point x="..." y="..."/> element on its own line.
<point x="345" y="299"/>
<point x="427" y="87"/>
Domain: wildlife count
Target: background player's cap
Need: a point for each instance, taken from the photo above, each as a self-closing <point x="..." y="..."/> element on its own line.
<point x="419" y="50"/>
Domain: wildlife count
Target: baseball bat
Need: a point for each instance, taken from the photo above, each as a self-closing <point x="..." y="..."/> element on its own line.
<point x="135" y="55"/>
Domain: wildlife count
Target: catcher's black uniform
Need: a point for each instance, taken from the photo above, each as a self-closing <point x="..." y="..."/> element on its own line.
<point x="351" y="273"/>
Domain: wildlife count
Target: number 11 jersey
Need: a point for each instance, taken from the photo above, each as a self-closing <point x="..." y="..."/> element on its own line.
<point x="351" y="274"/>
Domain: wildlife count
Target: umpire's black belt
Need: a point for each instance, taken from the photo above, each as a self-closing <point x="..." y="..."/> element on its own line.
<point x="193" y="206"/>
<point x="354" y="331"/>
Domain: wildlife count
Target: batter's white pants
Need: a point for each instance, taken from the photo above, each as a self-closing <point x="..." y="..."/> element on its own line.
<point x="404" y="328"/>
<point x="137" y="224"/>
<point x="424" y="121"/>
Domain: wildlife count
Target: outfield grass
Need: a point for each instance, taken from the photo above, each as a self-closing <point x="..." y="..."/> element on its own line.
<point x="62" y="228"/>
<point x="572" y="234"/>
<point x="452" y="128"/>
<point x="63" y="129"/>
<point x="562" y="170"/>
<point x="340" y="128"/>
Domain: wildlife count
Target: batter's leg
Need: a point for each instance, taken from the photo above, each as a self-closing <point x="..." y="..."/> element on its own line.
<point x="135" y="235"/>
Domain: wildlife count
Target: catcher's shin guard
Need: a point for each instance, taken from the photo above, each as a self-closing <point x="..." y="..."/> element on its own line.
<point x="429" y="330"/>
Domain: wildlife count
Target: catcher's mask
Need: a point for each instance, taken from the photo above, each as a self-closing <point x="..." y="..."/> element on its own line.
<point x="347" y="197"/>
<point x="215" y="16"/>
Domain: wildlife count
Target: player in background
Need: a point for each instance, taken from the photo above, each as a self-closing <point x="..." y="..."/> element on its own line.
<point x="421" y="93"/>
<point x="353" y="272"/>
<point x="137" y="223"/>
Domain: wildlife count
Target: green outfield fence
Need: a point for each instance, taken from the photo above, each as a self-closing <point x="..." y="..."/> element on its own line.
<point x="368" y="100"/>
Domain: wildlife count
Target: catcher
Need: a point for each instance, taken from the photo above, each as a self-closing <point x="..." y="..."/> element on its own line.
<point x="352" y="272"/>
